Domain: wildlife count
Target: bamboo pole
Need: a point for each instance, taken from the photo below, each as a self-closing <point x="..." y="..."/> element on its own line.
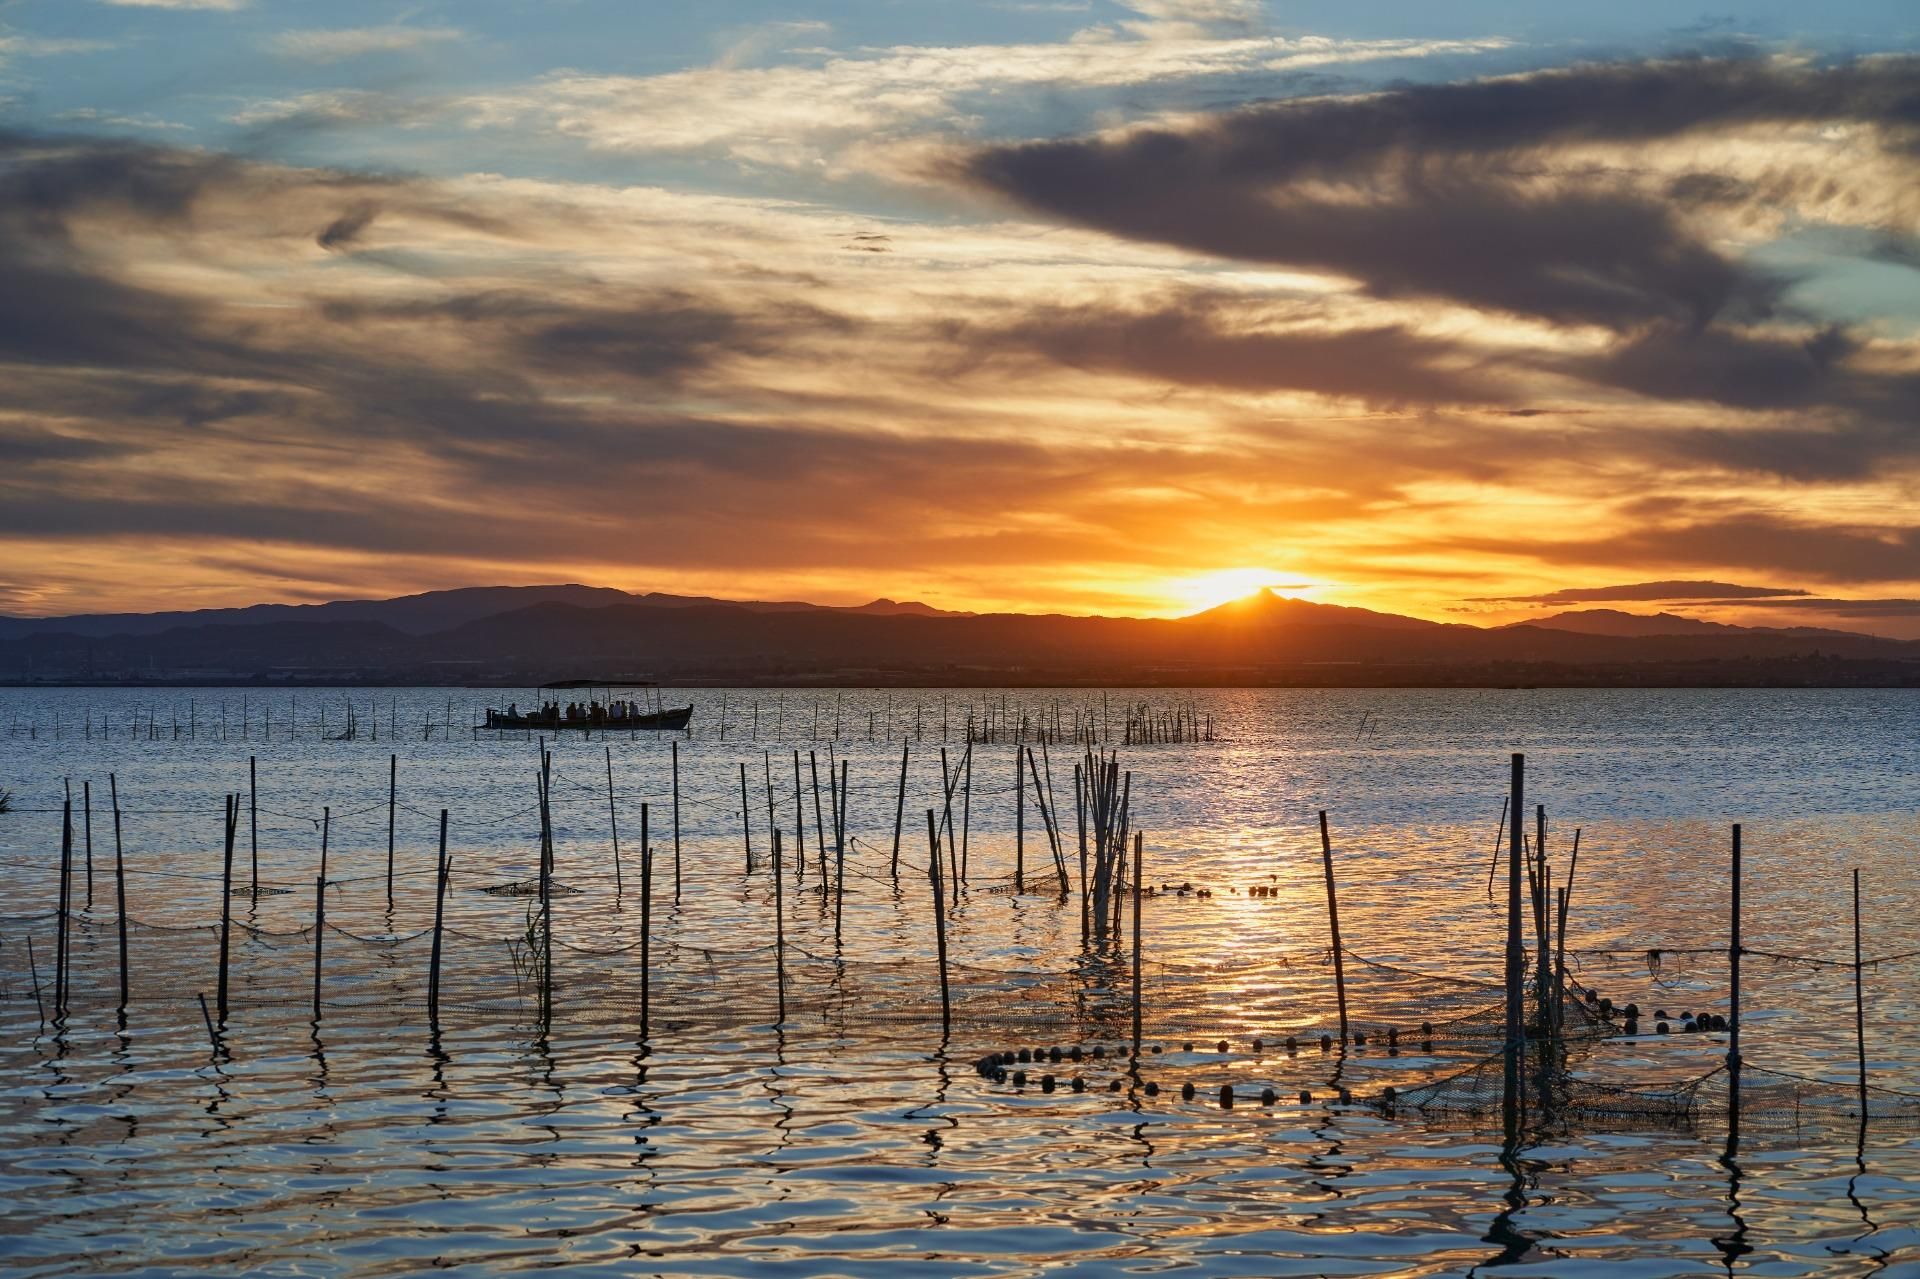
<point x="799" y="827"/>
<point x="1498" y="834"/>
<point x="646" y="927"/>
<point x="1516" y="952"/>
<point x="1859" y="997"/>
<point x="253" y="814"/>
<point x="61" y="959"/>
<point x="1019" y="825"/>
<point x="1139" y="844"/>
<point x="319" y="936"/>
<point x="613" y="824"/>
<point x="119" y="888"/>
<point x="840" y="854"/>
<point x="393" y="794"/>
<point x="819" y="826"/>
<point x="1333" y="924"/>
<point x="1734" y="952"/>
<point x="1080" y="813"/>
<point x="939" y="923"/>
<point x="86" y="811"/>
<point x="966" y="812"/>
<point x="746" y="817"/>
<point x="779" y="935"/>
<point x="675" y="743"/>
<point x="226" y="903"/>
<point x="900" y="803"/>
<point x="439" y="922"/>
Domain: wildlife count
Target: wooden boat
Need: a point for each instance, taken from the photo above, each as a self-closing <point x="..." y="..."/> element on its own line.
<point x="605" y="714"/>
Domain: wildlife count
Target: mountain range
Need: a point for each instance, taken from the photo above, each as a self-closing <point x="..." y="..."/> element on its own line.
<point x="519" y="635"/>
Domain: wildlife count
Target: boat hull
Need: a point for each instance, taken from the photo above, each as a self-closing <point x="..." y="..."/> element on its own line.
<point x="668" y="721"/>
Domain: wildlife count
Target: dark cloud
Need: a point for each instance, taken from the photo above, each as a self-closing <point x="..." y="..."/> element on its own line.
<point x="1690" y="591"/>
<point x="1446" y="190"/>
<point x="1201" y="339"/>
<point x="1824" y="552"/>
<point x="345" y="229"/>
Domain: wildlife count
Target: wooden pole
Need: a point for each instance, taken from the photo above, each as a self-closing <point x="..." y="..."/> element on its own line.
<point x="675" y="743"/>
<point x="939" y="922"/>
<point x="779" y="934"/>
<point x="393" y="793"/>
<point x="900" y="803"/>
<point x="253" y="815"/>
<point x="226" y="903"/>
<point x="746" y="817"/>
<point x="1516" y="951"/>
<point x="439" y="921"/>
<point x="119" y="886"/>
<point x="1859" y="997"/>
<point x="1139" y="844"/>
<point x="546" y="888"/>
<point x="1333" y="923"/>
<point x="966" y="812"/>
<point x="613" y="824"/>
<point x="646" y="926"/>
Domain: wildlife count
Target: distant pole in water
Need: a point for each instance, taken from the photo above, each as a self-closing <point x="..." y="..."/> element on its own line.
<point x="393" y="793"/>
<point x="675" y="744"/>
<point x="253" y="818"/>
<point x="613" y="824"/>
<point x="966" y="812"/>
<point x="1859" y="998"/>
<point x="646" y="923"/>
<point x="119" y="887"/>
<point x="1333" y="924"/>
<point x="779" y="935"/>
<point x="1516" y="1029"/>
<point x="746" y="817"/>
<point x="1139" y="891"/>
<point x="439" y="922"/>
<point x="900" y="808"/>
<point x="226" y="903"/>
<point x="939" y="921"/>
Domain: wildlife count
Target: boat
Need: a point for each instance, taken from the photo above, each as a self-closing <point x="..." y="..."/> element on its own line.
<point x="605" y="713"/>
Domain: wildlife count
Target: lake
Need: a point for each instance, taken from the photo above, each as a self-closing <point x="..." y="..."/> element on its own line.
<point x="854" y="1136"/>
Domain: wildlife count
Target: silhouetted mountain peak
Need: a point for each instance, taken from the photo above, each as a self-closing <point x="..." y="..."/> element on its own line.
<point x="1267" y="607"/>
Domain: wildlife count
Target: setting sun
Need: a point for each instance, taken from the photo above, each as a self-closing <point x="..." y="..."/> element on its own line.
<point x="1209" y="590"/>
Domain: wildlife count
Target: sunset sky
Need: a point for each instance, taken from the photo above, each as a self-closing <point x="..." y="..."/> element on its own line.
<point x="1473" y="311"/>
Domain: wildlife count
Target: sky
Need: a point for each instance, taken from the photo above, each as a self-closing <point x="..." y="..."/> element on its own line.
<point x="1476" y="311"/>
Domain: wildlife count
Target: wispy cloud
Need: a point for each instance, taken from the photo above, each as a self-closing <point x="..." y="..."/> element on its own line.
<point x="339" y="44"/>
<point x="224" y="6"/>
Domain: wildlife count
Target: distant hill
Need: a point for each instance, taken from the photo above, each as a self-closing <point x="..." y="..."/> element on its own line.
<point x="530" y="635"/>
<point x="1612" y="621"/>
<point x="422" y="614"/>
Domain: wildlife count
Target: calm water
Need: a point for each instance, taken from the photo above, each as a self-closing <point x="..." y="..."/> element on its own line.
<point x="363" y="1146"/>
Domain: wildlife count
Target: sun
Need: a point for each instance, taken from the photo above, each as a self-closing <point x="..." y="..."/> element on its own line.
<point x="1207" y="590"/>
